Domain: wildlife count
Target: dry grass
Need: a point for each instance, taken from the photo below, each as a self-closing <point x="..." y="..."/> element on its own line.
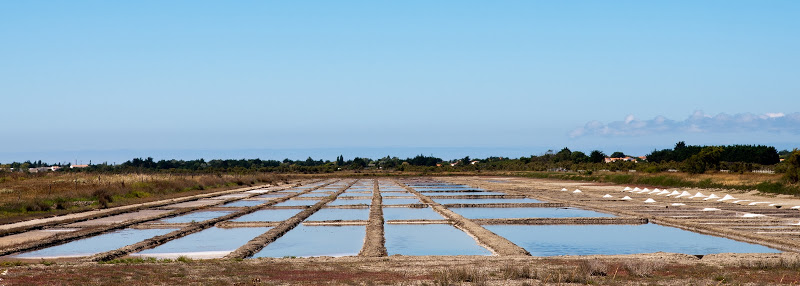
<point x="28" y="195"/>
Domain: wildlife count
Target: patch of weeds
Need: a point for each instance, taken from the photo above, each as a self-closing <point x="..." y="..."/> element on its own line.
<point x="642" y="268"/>
<point x="510" y="272"/>
<point x="782" y="263"/>
<point x="12" y="263"/>
<point x="459" y="275"/>
<point x="184" y="259"/>
<point x="47" y="262"/>
<point x="593" y="267"/>
<point x="131" y="260"/>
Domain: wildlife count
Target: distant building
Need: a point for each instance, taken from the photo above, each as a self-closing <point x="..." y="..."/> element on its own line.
<point x="78" y="166"/>
<point x="44" y="169"/>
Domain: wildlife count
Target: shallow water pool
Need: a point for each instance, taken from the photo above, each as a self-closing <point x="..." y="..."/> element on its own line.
<point x="549" y="240"/>
<point x="340" y="202"/>
<point x="304" y="241"/>
<point x="196" y="216"/>
<point x="430" y="239"/>
<point x="484" y="201"/>
<point x="410" y="213"/>
<point x="268" y="215"/>
<point x="295" y="203"/>
<point x="96" y="244"/>
<point x="340" y="214"/>
<point x="474" y="213"/>
<point x="210" y="243"/>
<point x="400" y="201"/>
<point x="242" y="204"/>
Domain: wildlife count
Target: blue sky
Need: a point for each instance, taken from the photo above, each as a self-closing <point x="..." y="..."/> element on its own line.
<point x="173" y="76"/>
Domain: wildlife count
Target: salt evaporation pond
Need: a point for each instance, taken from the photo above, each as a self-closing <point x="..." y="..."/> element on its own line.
<point x="484" y="201"/>
<point x="296" y="203"/>
<point x="210" y="243"/>
<point x="96" y="244"/>
<point x="430" y="239"/>
<point x="478" y="213"/>
<point x="550" y="240"/>
<point x="356" y="195"/>
<point x="196" y="216"/>
<point x="400" y="201"/>
<point x="272" y="195"/>
<point x="305" y="241"/>
<point x="462" y="193"/>
<point x="242" y="204"/>
<point x="410" y="213"/>
<point x="315" y="195"/>
<point x="350" y="202"/>
<point x="397" y="194"/>
<point x="340" y="214"/>
<point x="268" y="215"/>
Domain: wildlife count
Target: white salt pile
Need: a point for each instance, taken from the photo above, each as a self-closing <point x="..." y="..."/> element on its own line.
<point x="576" y="191"/>
<point x="678" y="204"/>
<point x="698" y="195"/>
<point x="710" y="209"/>
<point x="752" y="215"/>
<point x="795" y="207"/>
<point x="711" y="196"/>
<point x="646" y="190"/>
<point x="564" y="190"/>
<point x="684" y="194"/>
<point x="674" y="193"/>
<point x="741" y="201"/>
<point x="627" y="189"/>
<point x="626" y="198"/>
<point x="755" y="203"/>
<point x="664" y="192"/>
<point x="636" y="190"/>
<point x="725" y="198"/>
<point x="649" y="200"/>
<point x="608" y="196"/>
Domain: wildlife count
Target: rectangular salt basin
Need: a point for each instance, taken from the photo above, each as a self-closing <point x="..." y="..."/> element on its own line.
<point x="397" y="194"/>
<point x="272" y="195"/>
<point x="473" y="213"/>
<point x="119" y="218"/>
<point x="196" y="216"/>
<point x="400" y="201"/>
<point x="550" y="240"/>
<point x="350" y="202"/>
<point x="242" y="203"/>
<point x="96" y="244"/>
<point x="430" y="239"/>
<point x="315" y="195"/>
<point x="307" y="241"/>
<point x="356" y="195"/>
<point x="410" y="213"/>
<point x="461" y="193"/>
<point x="210" y="243"/>
<point x="294" y="203"/>
<point x="268" y="215"/>
<point x="484" y="201"/>
<point x="340" y="214"/>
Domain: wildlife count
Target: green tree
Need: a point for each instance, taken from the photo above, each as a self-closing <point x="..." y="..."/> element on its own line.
<point x="563" y="155"/>
<point x="597" y="156"/>
<point x="793" y="167"/>
<point x="618" y="154"/>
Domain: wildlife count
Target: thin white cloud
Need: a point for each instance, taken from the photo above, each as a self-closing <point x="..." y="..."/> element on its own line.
<point x="698" y="122"/>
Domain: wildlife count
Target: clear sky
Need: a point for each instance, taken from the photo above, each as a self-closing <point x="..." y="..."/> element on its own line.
<point x="633" y="76"/>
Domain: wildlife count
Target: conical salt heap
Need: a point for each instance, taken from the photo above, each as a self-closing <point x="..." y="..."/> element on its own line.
<point x="626" y="198"/>
<point x="725" y="198"/>
<point x="649" y="200"/>
<point x="608" y="196"/>
<point x="711" y="196"/>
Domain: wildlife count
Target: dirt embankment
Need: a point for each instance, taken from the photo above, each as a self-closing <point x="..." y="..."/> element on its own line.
<point x="259" y="242"/>
<point x="495" y="243"/>
<point x="374" y="241"/>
